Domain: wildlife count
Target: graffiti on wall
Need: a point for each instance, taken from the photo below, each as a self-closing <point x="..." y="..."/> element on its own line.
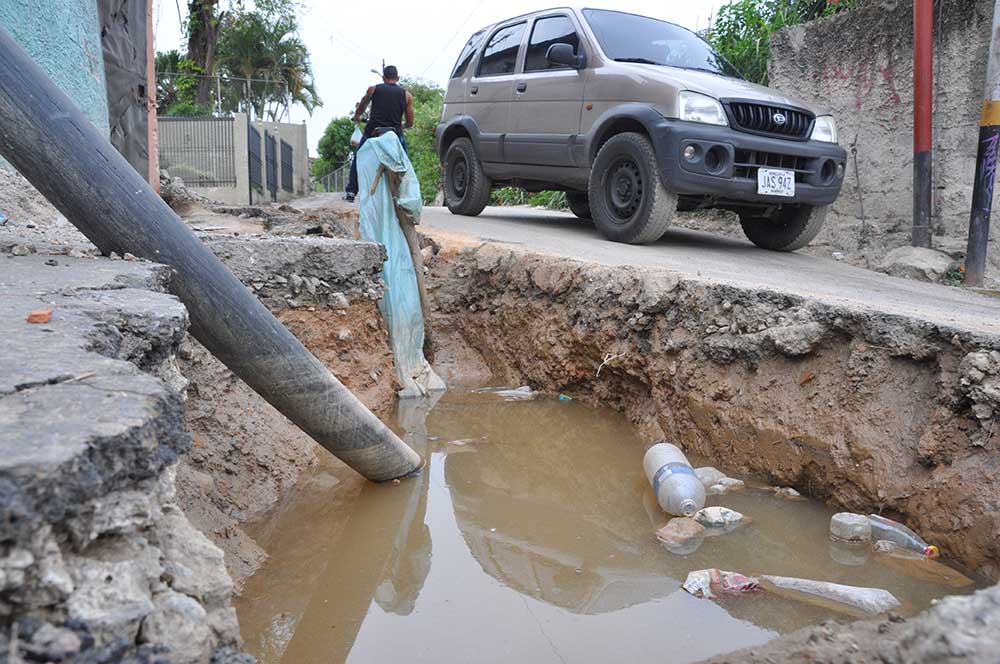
<point x="872" y="84"/>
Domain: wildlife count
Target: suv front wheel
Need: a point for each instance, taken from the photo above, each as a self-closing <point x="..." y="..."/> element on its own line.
<point x="627" y="198"/>
<point x="791" y="227"/>
<point x="466" y="187"/>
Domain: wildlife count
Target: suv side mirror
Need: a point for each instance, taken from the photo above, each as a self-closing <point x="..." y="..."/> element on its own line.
<point x="562" y="54"/>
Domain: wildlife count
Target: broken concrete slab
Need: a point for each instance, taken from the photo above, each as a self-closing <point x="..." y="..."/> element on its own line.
<point x="918" y="263"/>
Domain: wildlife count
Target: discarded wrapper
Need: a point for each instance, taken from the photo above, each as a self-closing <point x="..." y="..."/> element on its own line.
<point x="706" y="582"/>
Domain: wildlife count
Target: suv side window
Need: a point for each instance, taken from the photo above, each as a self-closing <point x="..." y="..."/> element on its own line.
<point x="546" y="32"/>
<point x="500" y="55"/>
<point x="465" y="57"/>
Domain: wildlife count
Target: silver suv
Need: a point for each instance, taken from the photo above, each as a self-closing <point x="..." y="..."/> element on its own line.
<point x="635" y="119"/>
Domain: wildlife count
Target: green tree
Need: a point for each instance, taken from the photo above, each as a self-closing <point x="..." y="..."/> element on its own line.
<point x="263" y="47"/>
<point x="428" y="100"/>
<point x="176" y="87"/>
<point x="741" y="31"/>
<point x="334" y="146"/>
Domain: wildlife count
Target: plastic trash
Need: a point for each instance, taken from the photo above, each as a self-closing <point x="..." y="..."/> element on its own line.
<point x="675" y="484"/>
<point x="732" y="484"/>
<point x="523" y="392"/>
<point x="706" y="582"/>
<point x="895" y="532"/>
<point x="919" y="566"/>
<point x="401" y="307"/>
<point x="852" y="554"/>
<point x="848" y="527"/>
<point x="868" y="600"/>
<point x="787" y="492"/>
<point x="682" y="535"/>
<point x="718" y="517"/>
<point x="563" y="397"/>
<point x="356" y="137"/>
<point x="708" y="475"/>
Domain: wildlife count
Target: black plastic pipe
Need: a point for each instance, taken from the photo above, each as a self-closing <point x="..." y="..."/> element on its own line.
<point x="48" y="139"/>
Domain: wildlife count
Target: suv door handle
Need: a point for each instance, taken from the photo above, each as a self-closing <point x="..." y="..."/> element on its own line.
<point x="474" y="89"/>
<point x="522" y="86"/>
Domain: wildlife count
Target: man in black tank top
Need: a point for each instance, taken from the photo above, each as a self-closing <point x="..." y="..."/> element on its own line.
<point x="391" y="106"/>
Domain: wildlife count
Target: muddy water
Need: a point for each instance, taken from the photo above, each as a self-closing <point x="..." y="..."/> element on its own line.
<point x="527" y="537"/>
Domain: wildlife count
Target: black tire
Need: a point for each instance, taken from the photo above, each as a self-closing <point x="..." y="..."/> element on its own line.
<point x="579" y="203"/>
<point x="790" y="228"/>
<point x="466" y="187"/>
<point x="628" y="201"/>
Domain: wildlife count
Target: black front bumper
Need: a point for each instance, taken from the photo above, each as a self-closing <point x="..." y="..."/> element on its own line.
<point x="726" y="163"/>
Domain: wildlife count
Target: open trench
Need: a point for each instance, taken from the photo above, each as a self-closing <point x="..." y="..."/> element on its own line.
<point x="857" y="411"/>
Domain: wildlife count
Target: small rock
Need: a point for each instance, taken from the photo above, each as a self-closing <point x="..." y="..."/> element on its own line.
<point x="716" y="490"/>
<point x="345" y="335"/>
<point x="718" y="517"/>
<point x="40" y="316"/>
<point x="130" y="257"/>
<point x="55" y="643"/>
<point x="837" y="255"/>
<point x="680" y="534"/>
<point x="51" y="262"/>
<point x="339" y="301"/>
<point x="709" y="475"/>
<point x="21" y="250"/>
<point x="787" y="492"/>
<point x="732" y="484"/>
<point x="850" y="527"/>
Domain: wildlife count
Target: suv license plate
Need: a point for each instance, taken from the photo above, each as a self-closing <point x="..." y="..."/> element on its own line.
<point x="775" y="182"/>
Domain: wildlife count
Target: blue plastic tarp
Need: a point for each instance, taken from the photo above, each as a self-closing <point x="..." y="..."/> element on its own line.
<point x="400" y="307"/>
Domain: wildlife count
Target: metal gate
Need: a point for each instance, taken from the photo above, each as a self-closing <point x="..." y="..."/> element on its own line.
<point x="198" y="150"/>
<point x="286" y="167"/>
<point x="253" y="152"/>
<point x="271" y="164"/>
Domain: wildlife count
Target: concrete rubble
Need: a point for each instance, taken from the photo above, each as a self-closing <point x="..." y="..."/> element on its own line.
<point x="98" y="561"/>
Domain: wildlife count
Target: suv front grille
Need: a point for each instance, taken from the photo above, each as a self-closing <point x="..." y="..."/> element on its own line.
<point x="748" y="161"/>
<point x="760" y="119"/>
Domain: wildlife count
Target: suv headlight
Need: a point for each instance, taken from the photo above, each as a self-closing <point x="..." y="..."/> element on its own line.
<point x="825" y="129"/>
<point x="695" y="107"/>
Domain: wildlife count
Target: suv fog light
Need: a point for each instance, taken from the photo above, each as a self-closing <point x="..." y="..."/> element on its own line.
<point x="840" y="171"/>
<point x="690" y="152"/>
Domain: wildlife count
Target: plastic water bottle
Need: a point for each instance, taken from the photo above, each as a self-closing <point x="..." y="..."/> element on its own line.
<point x="900" y="535"/>
<point x="677" y="488"/>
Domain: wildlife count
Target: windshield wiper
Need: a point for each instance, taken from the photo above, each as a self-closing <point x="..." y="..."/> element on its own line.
<point x="642" y="61"/>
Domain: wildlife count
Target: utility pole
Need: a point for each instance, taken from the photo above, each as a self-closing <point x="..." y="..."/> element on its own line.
<point x="923" y="119"/>
<point x="986" y="165"/>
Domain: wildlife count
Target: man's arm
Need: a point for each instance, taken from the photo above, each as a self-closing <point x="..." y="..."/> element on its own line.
<point x="409" y="111"/>
<point x="363" y="105"/>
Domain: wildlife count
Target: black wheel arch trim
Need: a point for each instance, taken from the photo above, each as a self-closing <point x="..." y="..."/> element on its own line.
<point x="446" y="129"/>
<point x="644" y="114"/>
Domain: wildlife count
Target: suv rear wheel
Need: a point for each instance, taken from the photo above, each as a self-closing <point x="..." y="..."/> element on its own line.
<point x="627" y="198"/>
<point x="790" y="228"/>
<point x="466" y="187"/>
<point x="579" y="203"/>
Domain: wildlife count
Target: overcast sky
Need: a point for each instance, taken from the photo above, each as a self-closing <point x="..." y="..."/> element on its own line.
<point x="421" y="37"/>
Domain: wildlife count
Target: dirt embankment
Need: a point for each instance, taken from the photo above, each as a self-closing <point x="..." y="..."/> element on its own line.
<point x="868" y="411"/>
<point x="246" y="456"/>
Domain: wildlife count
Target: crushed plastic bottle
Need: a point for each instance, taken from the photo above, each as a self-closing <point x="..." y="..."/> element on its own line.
<point x="900" y="535"/>
<point x="677" y="488"/>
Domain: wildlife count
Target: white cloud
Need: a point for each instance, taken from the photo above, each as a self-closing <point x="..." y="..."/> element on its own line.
<point x="423" y="39"/>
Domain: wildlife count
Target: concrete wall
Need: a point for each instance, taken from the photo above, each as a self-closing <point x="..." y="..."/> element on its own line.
<point x="63" y="37"/>
<point x="241" y="193"/>
<point x="859" y="65"/>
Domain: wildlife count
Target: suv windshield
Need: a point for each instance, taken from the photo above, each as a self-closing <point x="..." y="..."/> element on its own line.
<point x="633" y="38"/>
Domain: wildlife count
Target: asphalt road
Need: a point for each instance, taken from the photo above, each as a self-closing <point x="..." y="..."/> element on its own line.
<point x="730" y="261"/>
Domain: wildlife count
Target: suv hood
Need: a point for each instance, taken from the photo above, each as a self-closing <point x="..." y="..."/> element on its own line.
<point x="720" y="87"/>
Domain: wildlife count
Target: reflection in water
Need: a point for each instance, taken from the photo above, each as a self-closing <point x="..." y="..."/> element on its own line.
<point x="527" y="536"/>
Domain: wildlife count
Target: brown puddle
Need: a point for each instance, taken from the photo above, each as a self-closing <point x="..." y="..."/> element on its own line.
<point x="531" y="539"/>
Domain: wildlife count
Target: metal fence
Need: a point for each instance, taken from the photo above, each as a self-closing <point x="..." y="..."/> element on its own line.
<point x="334" y="181"/>
<point x="198" y="150"/>
<point x="253" y="157"/>
<point x="271" y="165"/>
<point x="286" y="167"/>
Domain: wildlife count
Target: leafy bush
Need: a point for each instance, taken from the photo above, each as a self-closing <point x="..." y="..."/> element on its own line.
<point x="508" y="196"/>
<point x="428" y="100"/>
<point x="334" y="147"/>
<point x="188" y="109"/>
<point x="741" y="31"/>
